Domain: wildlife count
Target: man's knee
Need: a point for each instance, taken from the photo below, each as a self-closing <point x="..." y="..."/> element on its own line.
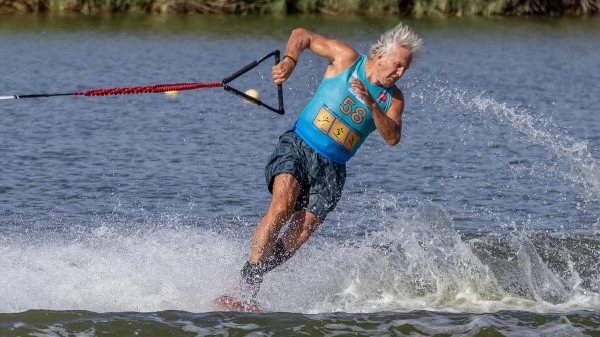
<point x="286" y="190"/>
<point x="279" y="213"/>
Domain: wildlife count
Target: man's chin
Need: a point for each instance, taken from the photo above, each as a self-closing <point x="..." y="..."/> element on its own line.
<point x="389" y="82"/>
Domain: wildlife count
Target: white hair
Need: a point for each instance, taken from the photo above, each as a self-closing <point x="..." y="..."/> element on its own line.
<point x="401" y="35"/>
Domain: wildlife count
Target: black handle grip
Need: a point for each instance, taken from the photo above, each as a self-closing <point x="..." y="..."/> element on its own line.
<point x="240" y="72"/>
<point x="276" y="54"/>
<point x="279" y="87"/>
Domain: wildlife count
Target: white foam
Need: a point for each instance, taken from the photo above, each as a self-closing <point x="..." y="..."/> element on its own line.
<point x="416" y="260"/>
<point x="108" y="270"/>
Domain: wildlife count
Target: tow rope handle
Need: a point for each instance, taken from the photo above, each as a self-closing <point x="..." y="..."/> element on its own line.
<point x="279" y="110"/>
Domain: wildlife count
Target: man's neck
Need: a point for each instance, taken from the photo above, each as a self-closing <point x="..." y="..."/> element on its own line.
<point x="369" y="72"/>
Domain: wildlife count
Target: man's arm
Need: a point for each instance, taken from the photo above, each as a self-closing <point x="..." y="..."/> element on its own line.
<point x="339" y="54"/>
<point x="389" y="125"/>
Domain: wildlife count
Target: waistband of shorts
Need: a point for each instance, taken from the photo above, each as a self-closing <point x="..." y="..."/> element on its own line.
<point x="302" y="144"/>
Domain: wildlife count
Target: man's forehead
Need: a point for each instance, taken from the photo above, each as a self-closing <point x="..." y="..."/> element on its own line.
<point x="398" y="52"/>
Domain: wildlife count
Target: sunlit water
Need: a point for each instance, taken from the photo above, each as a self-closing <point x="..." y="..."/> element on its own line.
<point x="139" y="209"/>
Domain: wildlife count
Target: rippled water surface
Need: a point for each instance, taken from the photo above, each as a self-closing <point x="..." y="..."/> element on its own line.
<point x="129" y="214"/>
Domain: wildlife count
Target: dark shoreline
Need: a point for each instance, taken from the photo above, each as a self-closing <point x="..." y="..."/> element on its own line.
<point x="408" y="8"/>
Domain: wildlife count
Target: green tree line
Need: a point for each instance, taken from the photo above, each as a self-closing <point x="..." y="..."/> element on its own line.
<point x="414" y="8"/>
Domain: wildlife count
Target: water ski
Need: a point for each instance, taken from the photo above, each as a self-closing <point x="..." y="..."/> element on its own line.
<point x="229" y="303"/>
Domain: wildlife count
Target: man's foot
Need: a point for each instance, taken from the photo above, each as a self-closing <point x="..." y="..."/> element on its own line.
<point x="252" y="277"/>
<point x="252" y="273"/>
<point x="248" y="291"/>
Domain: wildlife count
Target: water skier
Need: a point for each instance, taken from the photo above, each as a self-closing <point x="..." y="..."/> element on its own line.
<point x="306" y="172"/>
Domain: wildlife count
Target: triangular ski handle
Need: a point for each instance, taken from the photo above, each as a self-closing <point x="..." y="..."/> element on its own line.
<point x="248" y="67"/>
<point x="256" y="101"/>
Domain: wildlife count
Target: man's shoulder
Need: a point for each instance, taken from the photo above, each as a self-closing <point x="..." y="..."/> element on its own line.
<point x="347" y="56"/>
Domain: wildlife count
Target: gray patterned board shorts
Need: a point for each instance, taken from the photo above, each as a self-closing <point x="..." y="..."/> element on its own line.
<point x="321" y="180"/>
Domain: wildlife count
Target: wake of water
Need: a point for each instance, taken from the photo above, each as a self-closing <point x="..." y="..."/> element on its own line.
<point x="416" y="261"/>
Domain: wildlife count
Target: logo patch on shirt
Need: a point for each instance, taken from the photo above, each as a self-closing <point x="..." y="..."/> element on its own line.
<point x="383" y="96"/>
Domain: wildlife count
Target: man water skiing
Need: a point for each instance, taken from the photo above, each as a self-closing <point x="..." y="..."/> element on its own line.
<point x="306" y="172"/>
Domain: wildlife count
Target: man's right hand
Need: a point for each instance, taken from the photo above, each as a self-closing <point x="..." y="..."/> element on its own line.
<point x="283" y="70"/>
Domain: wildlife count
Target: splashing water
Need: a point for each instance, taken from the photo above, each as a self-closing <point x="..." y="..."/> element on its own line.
<point x="584" y="169"/>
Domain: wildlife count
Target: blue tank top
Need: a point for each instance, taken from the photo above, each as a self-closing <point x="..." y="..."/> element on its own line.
<point x="336" y="122"/>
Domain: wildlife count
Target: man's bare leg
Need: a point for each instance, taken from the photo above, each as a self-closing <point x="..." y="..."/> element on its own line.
<point x="301" y="227"/>
<point x="286" y="190"/>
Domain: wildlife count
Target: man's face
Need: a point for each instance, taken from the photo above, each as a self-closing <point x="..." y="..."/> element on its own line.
<point x="392" y="64"/>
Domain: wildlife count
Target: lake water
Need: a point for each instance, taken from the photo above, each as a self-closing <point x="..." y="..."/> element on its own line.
<point x="128" y="214"/>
